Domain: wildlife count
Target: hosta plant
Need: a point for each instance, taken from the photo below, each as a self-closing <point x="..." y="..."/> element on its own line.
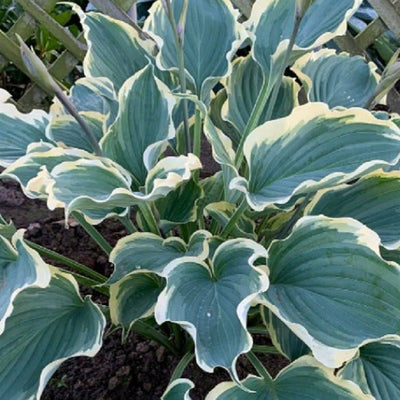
<point x="295" y="237"/>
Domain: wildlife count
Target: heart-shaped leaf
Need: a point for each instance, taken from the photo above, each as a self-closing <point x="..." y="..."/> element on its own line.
<point x="338" y="80"/>
<point x="211" y="303"/>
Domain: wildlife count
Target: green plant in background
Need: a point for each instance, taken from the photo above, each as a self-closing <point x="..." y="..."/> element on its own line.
<point x="279" y="228"/>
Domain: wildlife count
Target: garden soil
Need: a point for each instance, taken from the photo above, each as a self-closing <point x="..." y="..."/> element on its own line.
<point x="138" y="369"/>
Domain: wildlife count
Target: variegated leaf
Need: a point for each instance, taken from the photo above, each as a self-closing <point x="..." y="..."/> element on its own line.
<point x="283" y="338"/>
<point x="143" y="125"/>
<point x="48" y="325"/>
<point x="336" y="79"/>
<point x="243" y="87"/>
<point x="18" y="130"/>
<point x="211" y="302"/>
<point x="20" y="268"/>
<point x="139" y="261"/>
<point x="376" y="368"/>
<point x="100" y="188"/>
<point x="314" y="148"/>
<point x="149" y="253"/>
<point x="331" y="287"/>
<point x="66" y="132"/>
<point x="373" y="200"/>
<point x="304" y="379"/>
<point x="115" y="49"/>
<point x="178" y="390"/>
<point x="272" y="22"/>
<point x="206" y="59"/>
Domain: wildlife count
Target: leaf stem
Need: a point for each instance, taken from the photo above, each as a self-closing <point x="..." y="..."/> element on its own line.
<point x="88" y="272"/>
<point x="128" y="224"/>
<point x="90" y="283"/>
<point x="179" y="40"/>
<point x="149" y="218"/>
<point x="265" y="349"/>
<point x="183" y="363"/>
<point x="258" y="366"/>
<point x="235" y="217"/>
<point x="197" y="140"/>
<point x="93" y="233"/>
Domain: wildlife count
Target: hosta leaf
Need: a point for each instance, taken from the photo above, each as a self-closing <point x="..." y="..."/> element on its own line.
<point x="31" y="170"/>
<point x="134" y="297"/>
<point x="283" y="338"/>
<point x="93" y="95"/>
<point x="314" y="148"/>
<point x="206" y="59"/>
<point x="100" y="188"/>
<point x="143" y="125"/>
<point x="150" y="253"/>
<point x="18" y="130"/>
<point x="178" y="390"/>
<point x="187" y="196"/>
<point x="222" y="212"/>
<point x="46" y="327"/>
<point x="243" y="87"/>
<point x="304" y="379"/>
<point x="215" y="114"/>
<point x="212" y="303"/>
<point x="272" y="22"/>
<point x="331" y="287"/>
<point x="115" y="49"/>
<point x="138" y="259"/>
<point x="338" y="80"/>
<point x="222" y="147"/>
<point x="376" y="369"/>
<point x="20" y="268"/>
<point x="373" y="200"/>
<point x="66" y="132"/>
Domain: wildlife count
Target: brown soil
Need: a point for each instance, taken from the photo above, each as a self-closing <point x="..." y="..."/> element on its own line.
<point x="137" y="369"/>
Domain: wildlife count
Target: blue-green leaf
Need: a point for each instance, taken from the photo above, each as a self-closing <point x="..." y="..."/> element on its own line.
<point x="206" y="58"/>
<point x="304" y="379"/>
<point x="143" y="125"/>
<point x="18" y="130"/>
<point x="376" y="369"/>
<point x="283" y="338"/>
<point x="115" y="49"/>
<point x="331" y="287"/>
<point x="373" y="200"/>
<point x="150" y="253"/>
<point x="48" y="325"/>
<point x="211" y="302"/>
<point x="20" y="268"/>
<point x="243" y="87"/>
<point x="178" y="390"/>
<point x="314" y="148"/>
<point x="338" y="80"/>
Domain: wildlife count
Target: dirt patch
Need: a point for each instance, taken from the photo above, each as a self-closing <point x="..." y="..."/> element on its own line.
<point x="136" y="369"/>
